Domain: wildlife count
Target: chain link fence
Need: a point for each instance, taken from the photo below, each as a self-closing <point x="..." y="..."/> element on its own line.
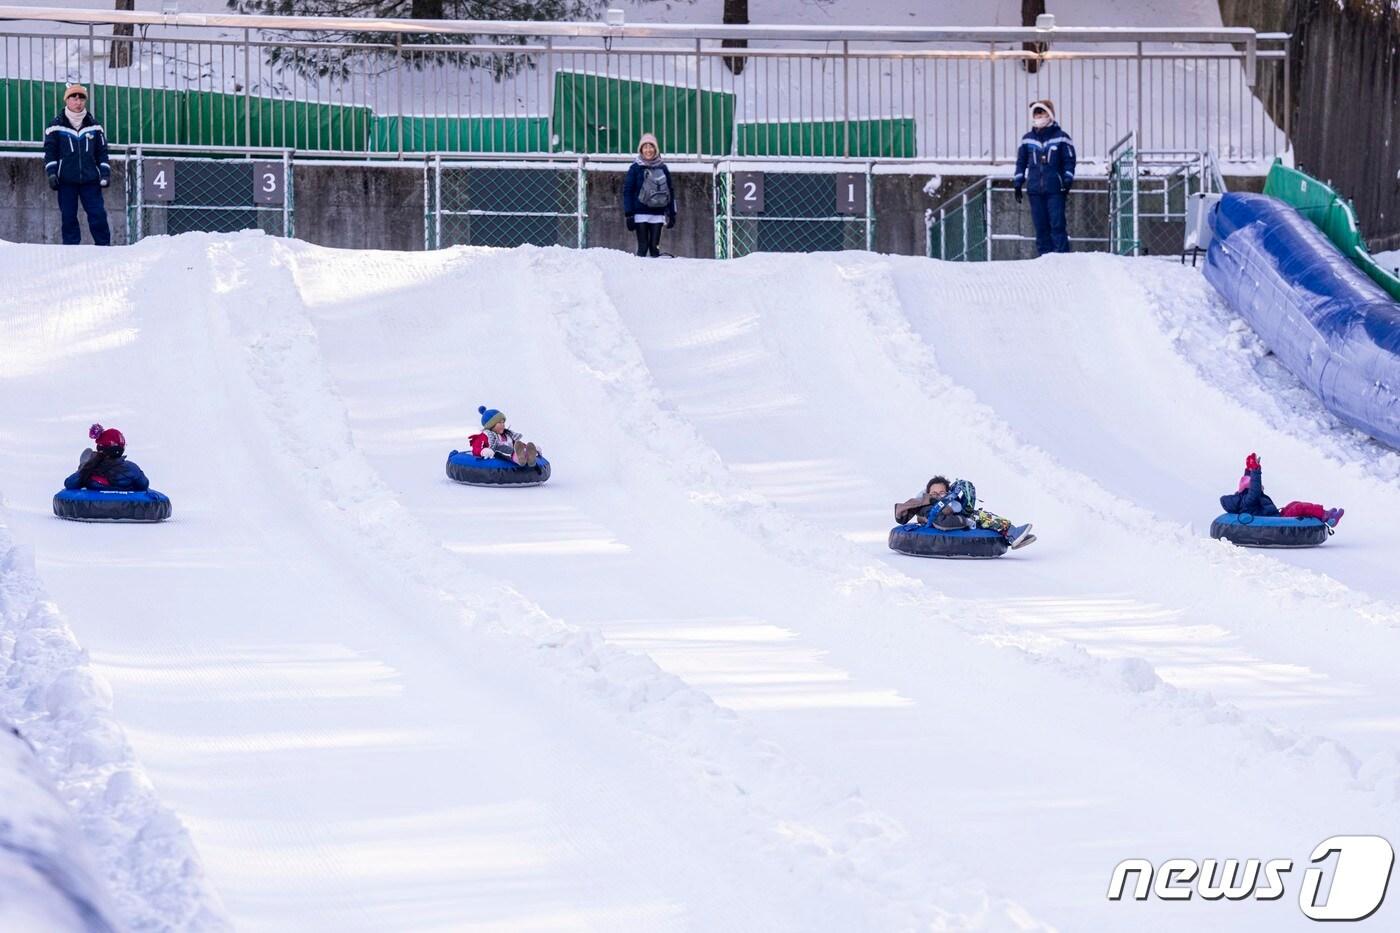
<point x="504" y="204"/>
<point x="172" y="195"/>
<point x="985" y="222"/>
<point x="792" y="212"/>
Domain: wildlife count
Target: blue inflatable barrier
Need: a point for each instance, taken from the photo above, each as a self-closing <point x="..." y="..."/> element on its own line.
<point x="1321" y="315"/>
<point x="494" y="471"/>
<point x="925" y="541"/>
<point x="1270" y="531"/>
<point x="93" y="505"/>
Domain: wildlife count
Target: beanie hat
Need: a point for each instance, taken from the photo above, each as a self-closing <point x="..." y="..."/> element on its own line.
<point x="74" y="89"/>
<point x="107" y="438"/>
<point x="489" y="416"/>
<point x="1045" y="104"/>
<point x="648" y="138"/>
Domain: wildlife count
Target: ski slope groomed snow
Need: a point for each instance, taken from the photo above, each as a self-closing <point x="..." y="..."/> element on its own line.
<point x="685" y="685"/>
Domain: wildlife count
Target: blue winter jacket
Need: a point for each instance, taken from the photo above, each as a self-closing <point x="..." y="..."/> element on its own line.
<point x="76" y="156"/>
<point x="1045" y="160"/>
<point x="632" y="187"/>
<point x="1252" y="500"/>
<point x="118" y="474"/>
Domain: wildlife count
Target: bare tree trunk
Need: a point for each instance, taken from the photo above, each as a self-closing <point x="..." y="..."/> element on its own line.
<point x="1030" y="9"/>
<point x="120" y="54"/>
<point x="736" y="13"/>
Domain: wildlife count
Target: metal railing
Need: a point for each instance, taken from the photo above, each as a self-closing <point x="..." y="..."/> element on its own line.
<point x="404" y="87"/>
<point x="1139" y="209"/>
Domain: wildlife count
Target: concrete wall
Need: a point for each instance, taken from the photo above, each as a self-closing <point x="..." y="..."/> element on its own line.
<point x="29" y="210"/>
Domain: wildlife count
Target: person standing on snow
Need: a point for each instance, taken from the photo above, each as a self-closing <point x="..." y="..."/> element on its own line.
<point x="1045" y="165"/>
<point x="75" y="158"/>
<point x="648" y="198"/>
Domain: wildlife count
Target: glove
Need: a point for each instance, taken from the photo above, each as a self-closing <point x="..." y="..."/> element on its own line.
<point x="670" y="221"/>
<point x="53" y="182"/>
<point x="1019" y="196"/>
<point x="631" y="222"/>
<point x="105" y="182"/>
<point x="1251" y="462"/>
<point x="1067" y="183"/>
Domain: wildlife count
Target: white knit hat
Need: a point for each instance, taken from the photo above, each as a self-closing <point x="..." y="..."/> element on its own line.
<point x="1045" y="104"/>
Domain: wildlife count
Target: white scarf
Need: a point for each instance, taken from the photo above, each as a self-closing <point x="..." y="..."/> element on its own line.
<point x="75" y="119"/>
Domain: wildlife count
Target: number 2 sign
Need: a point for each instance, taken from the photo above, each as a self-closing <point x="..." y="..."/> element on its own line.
<point x="748" y="192"/>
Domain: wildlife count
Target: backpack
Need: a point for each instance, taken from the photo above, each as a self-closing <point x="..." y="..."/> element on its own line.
<point x="656" y="189"/>
<point x="965" y="493"/>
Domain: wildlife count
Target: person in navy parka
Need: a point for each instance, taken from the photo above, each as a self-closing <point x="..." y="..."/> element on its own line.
<point x="1045" y="167"/>
<point x="107" y="468"/>
<point x="75" y="158"/>
<point x="648" y="197"/>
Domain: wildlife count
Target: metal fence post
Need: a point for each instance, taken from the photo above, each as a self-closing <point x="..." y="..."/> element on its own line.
<point x="140" y="189"/>
<point x="437" y="201"/>
<point x="964" y="225"/>
<point x="288" y="196"/>
<point x="398" y="90"/>
<point x="581" y="201"/>
<point x="987" y="217"/>
<point x="427" y="202"/>
<point x="942" y="234"/>
<point x="992" y="64"/>
<point x="1137" y="100"/>
<point x="549" y="90"/>
<point x="870" y="207"/>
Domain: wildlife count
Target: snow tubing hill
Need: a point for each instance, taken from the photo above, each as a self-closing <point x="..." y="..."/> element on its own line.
<point x="923" y="541"/>
<point x="1321" y="315"/>
<point x="93" y="505"/>
<point x="494" y="471"/>
<point x="1273" y="531"/>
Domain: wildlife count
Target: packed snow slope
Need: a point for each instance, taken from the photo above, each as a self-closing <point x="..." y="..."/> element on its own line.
<point x="684" y="685"/>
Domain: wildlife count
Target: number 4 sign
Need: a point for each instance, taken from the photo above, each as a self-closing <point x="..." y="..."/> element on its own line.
<point x="158" y="181"/>
<point x="268" y="181"/>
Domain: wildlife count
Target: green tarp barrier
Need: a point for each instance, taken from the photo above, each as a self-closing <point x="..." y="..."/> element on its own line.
<point x="893" y="138"/>
<point x="598" y="114"/>
<point x="460" y="134"/>
<point x="145" y="116"/>
<point x="1332" y="214"/>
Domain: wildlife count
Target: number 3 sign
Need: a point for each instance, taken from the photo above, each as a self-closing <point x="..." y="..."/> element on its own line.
<point x="269" y="179"/>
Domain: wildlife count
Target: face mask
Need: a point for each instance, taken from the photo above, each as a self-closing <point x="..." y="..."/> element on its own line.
<point x="1040" y="121"/>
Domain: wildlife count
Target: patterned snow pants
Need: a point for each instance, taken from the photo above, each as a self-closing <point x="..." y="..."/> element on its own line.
<point x="984" y="519"/>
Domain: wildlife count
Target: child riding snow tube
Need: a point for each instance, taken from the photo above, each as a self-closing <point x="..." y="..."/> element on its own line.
<point x="964" y="543"/>
<point x="108" y="487"/>
<point x="1269" y="530"/>
<point x="111" y="505"/>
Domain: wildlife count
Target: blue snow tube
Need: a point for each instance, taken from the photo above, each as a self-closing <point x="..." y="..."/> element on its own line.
<point x="110" y="505"/>
<point x="1270" y="531"/>
<point x="926" y="541"/>
<point x="494" y="471"/>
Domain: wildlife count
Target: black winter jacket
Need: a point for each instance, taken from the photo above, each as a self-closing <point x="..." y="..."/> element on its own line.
<point x="78" y="156"/>
<point x="1252" y="500"/>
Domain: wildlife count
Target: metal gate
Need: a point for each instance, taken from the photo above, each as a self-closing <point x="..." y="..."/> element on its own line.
<point x="172" y="194"/>
<point x="504" y="203"/>
<point x="758" y="211"/>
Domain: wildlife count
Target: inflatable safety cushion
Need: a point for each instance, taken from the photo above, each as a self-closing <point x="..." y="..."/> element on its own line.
<point x="494" y="471"/>
<point x="1274" y="531"/>
<point x="923" y="541"/>
<point x="93" y="505"/>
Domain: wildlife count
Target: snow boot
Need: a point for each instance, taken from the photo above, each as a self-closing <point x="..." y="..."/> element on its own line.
<point x="1028" y="539"/>
<point x="1016" y="534"/>
<point x="520" y="453"/>
<point x="532" y="454"/>
<point x="1334" y="517"/>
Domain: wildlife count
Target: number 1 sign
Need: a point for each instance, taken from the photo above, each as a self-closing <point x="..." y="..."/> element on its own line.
<point x="850" y="193"/>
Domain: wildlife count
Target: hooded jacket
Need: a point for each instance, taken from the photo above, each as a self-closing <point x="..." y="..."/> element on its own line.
<point x="76" y="157"/>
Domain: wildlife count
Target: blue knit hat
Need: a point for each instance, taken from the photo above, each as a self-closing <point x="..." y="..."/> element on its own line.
<point x="489" y="416"/>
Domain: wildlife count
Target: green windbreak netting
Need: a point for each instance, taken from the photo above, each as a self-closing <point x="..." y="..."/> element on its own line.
<point x="461" y="134"/>
<point x="1332" y="214"/>
<point x="891" y="138"/>
<point x="146" y="116"/>
<point x="598" y="114"/>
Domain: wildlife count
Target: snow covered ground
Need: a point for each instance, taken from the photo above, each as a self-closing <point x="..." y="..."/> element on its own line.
<point x="685" y="685"/>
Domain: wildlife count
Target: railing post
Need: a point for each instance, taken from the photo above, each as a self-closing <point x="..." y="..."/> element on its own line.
<point x="140" y="193"/>
<point x="942" y="234"/>
<point x="1287" y="92"/>
<point x="549" y="93"/>
<point x="437" y="201"/>
<point x="870" y="207"/>
<point x="699" y="107"/>
<point x="992" y="83"/>
<point x="248" y="91"/>
<point x="987" y="208"/>
<point x="582" y="203"/>
<point x="398" y="94"/>
<point x="92" y="57"/>
<point x="288" y="217"/>
<point x="845" y="99"/>
<point x="964" y="222"/>
<point x="1137" y="100"/>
